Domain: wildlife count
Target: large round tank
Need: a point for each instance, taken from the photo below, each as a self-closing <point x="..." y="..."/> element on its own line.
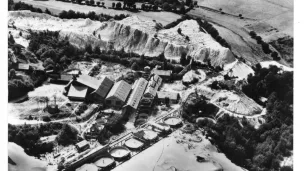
<point x="104" y="162"/>
<point x="134" y="144"/>
<point x="119" y="152"/>
<point x="173" y="121"/>
<point x="150" y="135"/>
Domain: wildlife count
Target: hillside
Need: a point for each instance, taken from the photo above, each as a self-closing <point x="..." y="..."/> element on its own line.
<point x="133" y="34"/>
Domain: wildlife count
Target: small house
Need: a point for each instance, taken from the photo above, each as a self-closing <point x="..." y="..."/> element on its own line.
<point x="173" y="97"/>
<point x="164" y="74"/>
<point x="82" y="146"/>
<point x="118" y="94"/>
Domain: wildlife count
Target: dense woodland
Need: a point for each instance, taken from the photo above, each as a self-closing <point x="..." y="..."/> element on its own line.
<point x="265" y="147"/>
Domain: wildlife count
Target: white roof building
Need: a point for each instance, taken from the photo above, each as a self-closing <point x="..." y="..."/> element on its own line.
<point x="137" y="92"/>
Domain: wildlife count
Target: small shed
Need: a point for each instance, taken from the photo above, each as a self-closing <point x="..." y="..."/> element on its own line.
<point x="82" y="146"/>
<point x="173" y="97"/>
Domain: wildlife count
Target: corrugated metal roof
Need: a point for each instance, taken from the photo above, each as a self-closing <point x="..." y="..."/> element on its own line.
<point x="78" y="91"/>
<point x="82" y="143"/>
<point x="105" y="86"/>
<point x="120" y="90"/>
<point x="153" y="85"/>
<point x="89" y="81"/>
<point x="162" y="72"/>
<point x="137" y="93"/>
<point x="170" y="95"/>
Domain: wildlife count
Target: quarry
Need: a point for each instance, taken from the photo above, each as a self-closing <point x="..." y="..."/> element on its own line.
<point x="143" y="92"/>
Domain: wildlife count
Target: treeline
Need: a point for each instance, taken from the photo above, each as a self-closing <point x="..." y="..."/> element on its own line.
<point x="65" y="14"/>
<point x="265" y="147"/>
<point x="213" y="32"/>
<point x="28" y="137"/>
<point x="91" y="15"/>
<point x="265" y="46"/>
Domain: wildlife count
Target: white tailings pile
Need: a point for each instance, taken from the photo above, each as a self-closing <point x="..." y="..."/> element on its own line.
<point x="132" y="34"/>
<point x="266" y="64"/>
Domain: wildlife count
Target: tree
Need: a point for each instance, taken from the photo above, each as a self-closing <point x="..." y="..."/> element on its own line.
<point x="92" y="2"/>
<point x="47" y="11"/>
<point x="88" y="48"/>
<point x="48" y="61"/>
<point x="252" y="34"/>
<point x="265" y="47"/>
<point x="182" y="9"/>
<point x="113" y="5"/>
<point x="188" y="2"/>
<point x="12" y="74"/>
<point x="97" y="50"/>
<point x="179" y="31"/>
<point x="50" y="53"/>
<point x="155" y="7"/>
<point x="183" y="59"/>
<point x="167" y="101"/>
<point x="118" y="5"/>
<point x="187" y="38"/>
<point x="135" y="66"/>
<point x="98" y="3"/>
<point x="258" y="39"/>
<point x="143" y="6"/>
<point x="11" y="39"/>
<point x="67" y="135"/>
<point x="166" y="6"/>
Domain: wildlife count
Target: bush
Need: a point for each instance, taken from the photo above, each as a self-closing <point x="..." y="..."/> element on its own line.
<point x="179" y="31"/>
<point x="46" y="118"/>
<point x="155" y="7"/>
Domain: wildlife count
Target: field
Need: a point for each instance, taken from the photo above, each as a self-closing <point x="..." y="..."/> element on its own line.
<point x="57" y="6"/>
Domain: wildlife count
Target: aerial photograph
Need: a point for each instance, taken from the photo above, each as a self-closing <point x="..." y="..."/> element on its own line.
<point x="150" y="85"/>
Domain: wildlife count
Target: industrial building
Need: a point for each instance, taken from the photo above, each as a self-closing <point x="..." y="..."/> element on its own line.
<point x="118" y="94"/>
<point x="153" y="85"/>
<point x="137" y="93"/>
<point x="173" y="97"/>
<point x="85" y="87"/>
<point x="164" y="74"/>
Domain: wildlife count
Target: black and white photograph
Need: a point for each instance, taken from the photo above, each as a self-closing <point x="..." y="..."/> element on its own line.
<point x="149" y="85"/>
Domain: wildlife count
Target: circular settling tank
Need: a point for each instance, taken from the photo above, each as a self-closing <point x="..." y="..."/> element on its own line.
<point x="173" y="121"/>
<point x="104" y="162"/>
<point x="150" y="135"/>
<point x="119" y="152"/>
<point x="134" y="144"/>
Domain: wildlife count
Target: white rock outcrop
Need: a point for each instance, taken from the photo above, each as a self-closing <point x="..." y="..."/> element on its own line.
<point x="132" y="34"/>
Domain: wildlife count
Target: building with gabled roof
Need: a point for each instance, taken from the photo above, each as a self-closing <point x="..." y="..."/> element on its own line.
<point x="153" y="85"/>
<point x="77" y="92"/>
<point x="97" y="90"/>
<point x="137" y="92"/>
<point x="164" y="74"/>
<point x="118" y="94"/>
<point x="173" y="97"/>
